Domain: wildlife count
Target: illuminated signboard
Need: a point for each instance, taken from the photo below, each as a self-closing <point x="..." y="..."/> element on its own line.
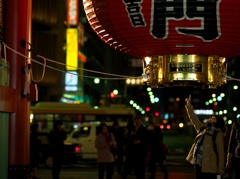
<point x="71" y="81"/>
<point x="71" y="78"/>
<point x="72" y="12"/>
<point x="72" y="49"/>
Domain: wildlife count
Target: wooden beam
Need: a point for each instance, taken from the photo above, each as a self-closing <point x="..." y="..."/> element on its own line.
<point x="7" y="99"/>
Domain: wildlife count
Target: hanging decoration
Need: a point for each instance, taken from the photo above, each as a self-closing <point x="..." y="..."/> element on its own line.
<point x="206" y="30"/>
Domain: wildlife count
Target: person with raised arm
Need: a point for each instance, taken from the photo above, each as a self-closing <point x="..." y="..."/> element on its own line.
<point x="207" y="151"/>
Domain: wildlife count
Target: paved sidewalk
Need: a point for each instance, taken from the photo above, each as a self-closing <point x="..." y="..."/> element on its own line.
<point x="69" y="174"/>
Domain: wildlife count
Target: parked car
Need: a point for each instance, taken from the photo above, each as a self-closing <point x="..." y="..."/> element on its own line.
<point x="85" y="136"/>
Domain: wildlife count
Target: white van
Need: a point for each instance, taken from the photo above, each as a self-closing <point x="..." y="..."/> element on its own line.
<point x="85" y="137"/>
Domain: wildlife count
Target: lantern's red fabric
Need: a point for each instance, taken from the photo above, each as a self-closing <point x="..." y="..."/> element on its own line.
<point x="117" y="30"/>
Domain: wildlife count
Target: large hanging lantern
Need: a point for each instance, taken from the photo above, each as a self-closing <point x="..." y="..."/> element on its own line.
<point x="196" y="34"/>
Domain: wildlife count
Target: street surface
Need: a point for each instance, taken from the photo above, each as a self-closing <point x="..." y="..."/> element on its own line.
<point x="177" y="166"/>
<point x="178" y="144"/>
<point x="175" y="172"/>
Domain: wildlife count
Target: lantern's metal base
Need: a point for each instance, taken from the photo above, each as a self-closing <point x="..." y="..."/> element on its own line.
<point x="184" y="70"/>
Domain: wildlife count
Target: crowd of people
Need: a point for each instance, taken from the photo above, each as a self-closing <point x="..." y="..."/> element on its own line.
<point x="212" y="154"/>
<point x="139" y="148"/>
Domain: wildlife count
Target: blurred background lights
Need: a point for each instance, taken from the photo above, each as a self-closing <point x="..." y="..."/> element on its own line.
<point x="96" y="80"/>
<point x="219" y="98"/>
<point x="203" y="111"/>
<point x="115" y="92"/>
<point x="31" y="118"/>
<point x="181" y="125"/>
<point x="156" y="114"/>
<point x="147" y="109"/>
<point x="234" y="108"/>
<point x="166" y="116"/>
<point x="156" y="99"/>
<point x="133" y="81"/>
<point x="235" y="87"/>
<point x="168" y="126"/>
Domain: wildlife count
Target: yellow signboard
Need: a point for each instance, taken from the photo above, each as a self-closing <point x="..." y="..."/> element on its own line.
<point x="72" y="49"/>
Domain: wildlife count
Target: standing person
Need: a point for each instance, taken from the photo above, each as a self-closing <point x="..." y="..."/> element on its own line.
<point x="139" y="148"/>
<point x="233" y="155"/>
<point x="207" y="151"/>
<point x="35" y="150"/>
<point x="105" y="159"/>
<point x="157" y="154"/>
<point x="119" y="137"/>
<point x="128" y="165"/>
<point x="56" y="139"/>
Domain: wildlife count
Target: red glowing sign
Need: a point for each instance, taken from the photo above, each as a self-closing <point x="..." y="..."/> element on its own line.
<point x="72" y="12"/>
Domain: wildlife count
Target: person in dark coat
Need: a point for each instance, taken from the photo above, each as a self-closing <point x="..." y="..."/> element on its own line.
<point x="157" y="154"/>
<point x="56" y="139"/>
<point x="139" y="148"/>
<point x="128" y="164"/>
<point x="35" y="149"/>
<point x="119" y="137"/>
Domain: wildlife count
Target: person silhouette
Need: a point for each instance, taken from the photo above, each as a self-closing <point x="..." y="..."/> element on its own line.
<point x="119" y="137"/>
<point x="35" y="150"/>
<point x="157" y="154"/>
<point x="56" y="139"/>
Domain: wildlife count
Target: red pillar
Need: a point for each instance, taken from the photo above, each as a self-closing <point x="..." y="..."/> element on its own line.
<point x="18" y="20"/>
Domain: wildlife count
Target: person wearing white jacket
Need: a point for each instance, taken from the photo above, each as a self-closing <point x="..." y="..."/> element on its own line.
<point x="105" y="158"/>
<point x="206" y="153"/>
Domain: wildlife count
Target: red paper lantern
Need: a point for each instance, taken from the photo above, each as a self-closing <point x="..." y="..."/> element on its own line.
<point x="187" y="41"/>
<point x="152" y="27"/>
